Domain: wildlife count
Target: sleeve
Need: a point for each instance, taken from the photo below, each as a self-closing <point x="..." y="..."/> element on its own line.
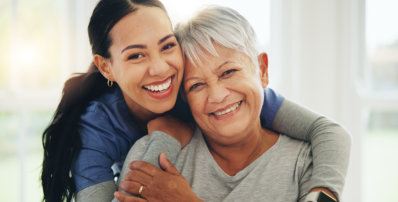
<point x="330" y="144"/>
<point x="271" y="105"/>
<point x="161" y="142"/>
<point x="306" y="169"/>
<point x="91" y="167"/>
<point x="101" y="192"/>
<point x="100" y="149"/>
<point x="148" y="149"/>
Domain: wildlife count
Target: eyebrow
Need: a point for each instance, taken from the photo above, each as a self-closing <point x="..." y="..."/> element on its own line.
<point x="141" y="46"/>
<point x="219" y="67"/>
<point x="165" y="38"/>
<point x="226" y="62"/>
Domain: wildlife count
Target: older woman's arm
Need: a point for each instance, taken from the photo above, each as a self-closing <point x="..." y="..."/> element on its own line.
<point x="330" y="144"/>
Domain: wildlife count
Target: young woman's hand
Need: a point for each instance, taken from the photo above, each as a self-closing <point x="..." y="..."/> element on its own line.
<point x="181" y="131"/>
<point x="149" y="183"/>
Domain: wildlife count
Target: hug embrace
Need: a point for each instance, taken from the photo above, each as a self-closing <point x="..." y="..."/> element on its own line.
<point x="216" y="131"/>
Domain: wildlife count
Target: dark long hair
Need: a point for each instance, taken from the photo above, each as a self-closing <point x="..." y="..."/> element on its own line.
<point x="61" y="140"/>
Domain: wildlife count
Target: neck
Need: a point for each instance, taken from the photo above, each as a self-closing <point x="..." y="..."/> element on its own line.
<point x="233" y="158"/>
<point x="140" y="115"/>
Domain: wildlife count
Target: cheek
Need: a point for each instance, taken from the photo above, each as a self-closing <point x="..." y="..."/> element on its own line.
<point x="177" y="60"/>
<point x="258" y="97"/>
<point x="196" y="103"/>
<point x="132" y="75"/>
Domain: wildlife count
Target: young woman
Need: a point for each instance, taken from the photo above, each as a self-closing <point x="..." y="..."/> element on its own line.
<point x="135" y="76"/>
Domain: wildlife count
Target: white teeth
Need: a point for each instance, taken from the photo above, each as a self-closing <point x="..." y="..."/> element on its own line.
<point x="232" y="108"/>
<point x="158" y="88"/>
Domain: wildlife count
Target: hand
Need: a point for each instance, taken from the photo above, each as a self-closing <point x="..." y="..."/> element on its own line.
<point x="181" y="131"/>
<point x="168" y="185"/>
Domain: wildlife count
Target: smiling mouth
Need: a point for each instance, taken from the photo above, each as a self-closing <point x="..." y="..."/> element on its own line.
<point x="228" y="110"/>
<point x="165" y="85"/>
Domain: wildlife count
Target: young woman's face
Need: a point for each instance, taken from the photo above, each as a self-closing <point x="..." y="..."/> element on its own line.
<point x="146" y="61"/>
<point x="225" y="95"/>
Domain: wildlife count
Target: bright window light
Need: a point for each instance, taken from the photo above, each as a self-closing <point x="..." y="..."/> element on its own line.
<point x="25" y="56"/>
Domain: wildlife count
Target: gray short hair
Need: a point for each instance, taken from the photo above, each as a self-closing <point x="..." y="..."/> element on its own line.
<point x="218" y="24"/>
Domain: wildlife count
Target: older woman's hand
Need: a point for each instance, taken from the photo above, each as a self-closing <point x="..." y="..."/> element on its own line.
<point x="157" y="185"/>
<point x="180" y="130"/>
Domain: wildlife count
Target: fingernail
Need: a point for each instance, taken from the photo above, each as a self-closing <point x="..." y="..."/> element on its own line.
<point x="133" y="164"/>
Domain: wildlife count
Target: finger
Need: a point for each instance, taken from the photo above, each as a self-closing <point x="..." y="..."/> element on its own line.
<point x="139" y="177"/>
<point x="143" y="166"/>
<point x="122" y="197"/>
<point x="130" y="187"/>
<point x="167" y="165"/>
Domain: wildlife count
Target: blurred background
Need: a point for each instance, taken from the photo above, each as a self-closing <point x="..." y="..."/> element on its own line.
<point x="337" y="57"/>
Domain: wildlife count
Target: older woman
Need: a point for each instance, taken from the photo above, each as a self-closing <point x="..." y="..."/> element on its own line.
<point x="230" y="156"/>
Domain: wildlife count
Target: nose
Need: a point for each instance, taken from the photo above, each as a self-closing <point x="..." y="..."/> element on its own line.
<point x="158" y="66"/>
<point x="217" y="93"/>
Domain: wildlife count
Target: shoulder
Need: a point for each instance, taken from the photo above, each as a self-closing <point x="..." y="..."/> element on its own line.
<point x="112" y="99"/>
<point x="293" y="153"/>
<point x="272" y="95"/>
<point x="110" y="113"/>
<point x="272" y="103"/>
<point x="138" y="149"/>
<point x="297" y="148"/>
<point x="108" y="125"/>
<point x="197" y="143"/>
<point x="141" y="143"/>
<point x="299" y="152"/>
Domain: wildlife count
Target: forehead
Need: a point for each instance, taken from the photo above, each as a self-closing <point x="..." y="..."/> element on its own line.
<point x="146" y="23"/>
<point x="210" y="63"/>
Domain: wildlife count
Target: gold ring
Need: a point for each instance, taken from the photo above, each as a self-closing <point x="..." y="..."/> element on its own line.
<point x="140" y="190"/>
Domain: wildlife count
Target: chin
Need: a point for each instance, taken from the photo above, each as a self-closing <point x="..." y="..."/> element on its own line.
<point x="231" y="131"/>
<point x="160" y="109"/>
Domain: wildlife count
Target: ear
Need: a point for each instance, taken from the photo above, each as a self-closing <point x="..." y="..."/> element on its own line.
<point x="263" y="64"/>
<point x="104" y="67"/>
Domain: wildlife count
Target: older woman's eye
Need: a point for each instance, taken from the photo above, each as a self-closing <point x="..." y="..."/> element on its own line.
<point x="195" y="86"/>
<point x="168" y="46"/>
<point x="135" y="56"/>
<point x="228" y="73"/>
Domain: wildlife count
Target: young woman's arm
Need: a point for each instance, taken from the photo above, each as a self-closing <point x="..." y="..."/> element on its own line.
<point x="103" y="192"/>
<point x="107" y="133"/>
<point x="330" y="142"/>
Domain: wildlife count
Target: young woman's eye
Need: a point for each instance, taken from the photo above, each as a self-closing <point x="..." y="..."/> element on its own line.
<point x="168" y="46"/>
<point x="135" y="56"/>
<point x="195" y="86"/>
<point x="228" y="73"/>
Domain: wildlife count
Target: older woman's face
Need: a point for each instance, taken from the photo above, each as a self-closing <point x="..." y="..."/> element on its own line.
<point x="225" y="94"/>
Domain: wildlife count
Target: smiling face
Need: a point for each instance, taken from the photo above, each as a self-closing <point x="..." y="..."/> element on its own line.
<point x="146" y="61"/>
<point x="225" y="94"/>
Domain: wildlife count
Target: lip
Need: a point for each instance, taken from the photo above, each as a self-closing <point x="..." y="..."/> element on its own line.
<point x="161" y="94"/>
<point x="229" y="114"/>
<point x="160" y="82"/>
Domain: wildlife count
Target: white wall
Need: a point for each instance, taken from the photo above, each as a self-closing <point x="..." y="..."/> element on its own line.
<point x="316" y="45"/>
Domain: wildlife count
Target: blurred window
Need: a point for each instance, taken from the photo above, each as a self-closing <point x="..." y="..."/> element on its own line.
<point x="37" y="39"/>
<point x="381" y="102"/>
